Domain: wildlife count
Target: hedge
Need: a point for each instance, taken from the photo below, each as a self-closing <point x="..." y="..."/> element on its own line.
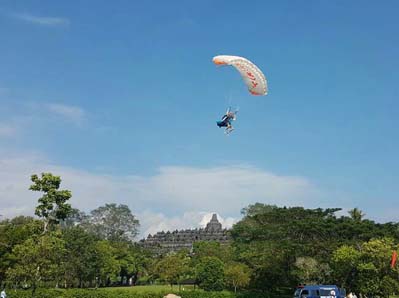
<point x="120" y="293"/>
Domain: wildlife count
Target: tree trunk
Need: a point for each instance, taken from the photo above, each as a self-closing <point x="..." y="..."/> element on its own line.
<point x="45" y="226"/>
<point x="134" y="277"/>
<point x="33" y="290"/>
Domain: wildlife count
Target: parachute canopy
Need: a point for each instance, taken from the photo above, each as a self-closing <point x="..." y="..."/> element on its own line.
<point x="252" y="75"/>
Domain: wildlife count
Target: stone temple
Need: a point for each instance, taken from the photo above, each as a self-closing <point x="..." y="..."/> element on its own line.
<point x="164" y="242"/>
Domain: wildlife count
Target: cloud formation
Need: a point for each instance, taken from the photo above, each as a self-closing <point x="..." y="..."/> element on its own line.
<point x="71" y="113"/>
<point x="41" y="20"/>
<point x="173" y="198"/>
<point x="33" y="113"/>
<point x="7" y="130"/>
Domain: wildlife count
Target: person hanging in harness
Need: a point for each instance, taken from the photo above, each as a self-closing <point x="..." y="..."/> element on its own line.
<point x="226" y="120"/>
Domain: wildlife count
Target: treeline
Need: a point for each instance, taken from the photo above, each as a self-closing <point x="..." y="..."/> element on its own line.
<point x="290" y="246"/>
<point x="272" y="250"/>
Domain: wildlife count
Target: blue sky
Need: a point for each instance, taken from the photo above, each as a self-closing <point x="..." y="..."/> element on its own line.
<point x="128" y="91"/>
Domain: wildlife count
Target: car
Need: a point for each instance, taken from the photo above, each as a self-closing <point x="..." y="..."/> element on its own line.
<point x="319" y="291"/>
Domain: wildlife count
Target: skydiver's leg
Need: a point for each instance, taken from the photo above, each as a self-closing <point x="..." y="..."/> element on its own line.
<point x="229" y="129"/>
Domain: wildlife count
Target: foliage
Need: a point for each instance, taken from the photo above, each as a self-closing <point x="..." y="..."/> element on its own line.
<point x="14" y="232"/>
<point x="133" y="261"/>
<point x="81" y="259"/>
<point x="203" y="249"/>
<point x="112" y="222"/>
<point x="53" y="205"/>
<point x="105" y="264"/>
<point x="273" y="249"/>
<point x="366" y="269"/>
<point x="344" y="261"/>
<point x="356" y="214"/>
<point x="237" y="275"/>
<point x="134" y="292"/>
<point x="270" y="240"/>
<point x="122" y="293"/>
<point x="306" y="269"/>
<point x="210" y="274"/>
<point x="173" y="268"/>
<point x="37" y="260"/>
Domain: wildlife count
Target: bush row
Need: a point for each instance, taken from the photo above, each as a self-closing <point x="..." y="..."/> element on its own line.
<point x="116" y="293"/>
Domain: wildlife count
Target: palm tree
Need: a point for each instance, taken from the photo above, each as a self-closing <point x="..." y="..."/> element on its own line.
<point x="356" y="214"/>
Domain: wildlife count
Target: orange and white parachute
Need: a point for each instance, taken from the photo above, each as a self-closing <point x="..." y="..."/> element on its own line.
<point x="252" y="75"/>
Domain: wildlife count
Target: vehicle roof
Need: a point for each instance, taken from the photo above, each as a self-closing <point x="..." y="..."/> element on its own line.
<point x="315" y="287"/>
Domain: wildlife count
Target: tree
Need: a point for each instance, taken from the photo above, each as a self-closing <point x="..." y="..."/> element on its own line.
<point x="356" y="214"/>
<point x="203" y="249"/>
<point x="366" y="268"/>
<point x="269" y="240"/>
<point x="37" y="260"/>
<point x="375" y="274"/>
<point x="112" y="222"/>
<point x="237" y="275"/>
<point x="133" y="261"/>
<point x="306" y="269"/>
<point x="74" y="218"/>
<point x="173" y="268"/>
<point x="53" y="205"/>
<point x="345" y="261"/>
<point x="210" y="274"/>
<point x="13" y="232"/>
<point x="80" y="256"/>
<point x="105" y="263"/>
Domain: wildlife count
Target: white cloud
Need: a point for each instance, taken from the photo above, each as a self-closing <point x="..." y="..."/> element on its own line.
<point x="41" y="20"/>
<point x="7" y="130"/>
<point x="21" y="120"/>
<point x="173" y="198"/>
<point x="70" y="113"/>
<point x="227" y="188"/>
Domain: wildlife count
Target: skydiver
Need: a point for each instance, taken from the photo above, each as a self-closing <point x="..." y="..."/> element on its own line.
<point x="226" y="121"/>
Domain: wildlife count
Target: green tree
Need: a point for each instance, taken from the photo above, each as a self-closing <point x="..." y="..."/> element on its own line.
<point x="366" y="269"/>
<point x="345" y="260"/>
<point x="210" y="274"/>
<point x="133" y="261"/>
<point x="173" y="268"/>
<point x="74" y="218"/>
<point x="37" y="260"/>
<point x="80" y="257"/>
<point x="269" y="240"/>
<point x="306" y="270"/>
<point x="237" y="275"/>
<point x="106" y="265"/>
<point x="53" y="206"/>
<point x="112" y="222"/>
<point x="13" y="232"/>
<point x="389" y="286"/>
<point x="374" y="269"/>
<point x="356" y="214"/>
<point x="203" y="249"/>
